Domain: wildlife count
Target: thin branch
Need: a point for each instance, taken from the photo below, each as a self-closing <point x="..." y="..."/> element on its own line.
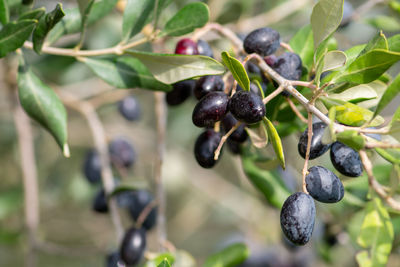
<point x="304" y="84"/>
<point x="286" y="46"/>
<point x="375" y="185"/>
<point x="381" y="145"/>
<point x="223" y="140"/>
<point x="161" y="118"/>
<point x="309" y="138"/>
<point x="295" y="110"/>
<point x="269" y="97"/>
<point x="100" y="141"/>
<point x="144" y="213"/>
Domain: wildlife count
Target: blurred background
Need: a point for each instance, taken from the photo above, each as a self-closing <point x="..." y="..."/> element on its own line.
<point x="206" y="209"/>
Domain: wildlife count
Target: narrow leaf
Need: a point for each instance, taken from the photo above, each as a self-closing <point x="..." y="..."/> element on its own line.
<point x="258" y="135"/>
<point x="85" y="15"/>
<point x="390" y="94"/>
<point x="303" y="45"/>
<point x="391" y="155"/>
<point x="45" y="24"/>
<point x="72" y="21"/>
<point x="275" y="140"/>
<point x="14" y="34"/>
<point x="352" y="139"/>
<point x="171" y="68"/>
<point x="4" y="12"/>
<point x="33" y="14"/>
<point x="136" y="14"/>
<point x="368" y="67"/>
<point x="356" y="94"/>
<point x="325" y="19"/>
<point x="125" y="72"/>
<point x="378" y="42"/>
<point x="376" y="235"/>
<point x="231" y="256"/>
<point x="186" y="20"/>
<point x="237" y="70"/>
<point x="43" y="105"/>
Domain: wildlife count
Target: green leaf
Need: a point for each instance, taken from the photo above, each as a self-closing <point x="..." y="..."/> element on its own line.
<point x="186" y="20"/>
<point x="86" y="9"/>
<point x="136" y="14"/>
<point x="325" y="19"/>
<point x="45" y="24"/>
<point x="395" y="6"/>
<point x="352" y="139"/>
<point x="172" y="68"/>
<point x="258" y="135"/>
<point x="391" y="155"/>
<point x="33" y="14"/>
<point x="164" y="263"/>
<point x="351" y="114"/>
<point x="368" y="67"/>
<point x="43" y="105"/>
<point x="394" y="43"/>
<point x="275" y="140"/>
<point x="378" y="42"/>
<point x="303" y="45"/>
<point x="390" y="93"/>
<point x="159" y="259"/>
<point x="376" y="235"/>
<point x="4" y="12"/>
<point x="269" y="184"/>
<point x="229" y="257"/>
<point x="125" y="72"/>
<point x="83" y="5"/>
<point x="330" y="60"/>
<point x="356" y="94"/>
<point x="72" y="22"/>
<point x="386" y="23"/>
<point x="238" y="71"/>
<point x="14" y="34"/>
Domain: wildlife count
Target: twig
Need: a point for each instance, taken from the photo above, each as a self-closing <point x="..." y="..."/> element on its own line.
<point x="295" y="110"/>
<point x="99" y="136"/>
<point x="286" y="46"/>
<point x="304" y="84"/>
<point x="111" y="96"/>
<point x="375" y="185"/>
<point x="269" y="97"/>
<point x="161" y="118"/>
<point x="31" y="190"/>
<point x="144" y="213"/>
<point x="309" y="138"/>
<point x="223" y="140"/>
<point x="381" y="145"/>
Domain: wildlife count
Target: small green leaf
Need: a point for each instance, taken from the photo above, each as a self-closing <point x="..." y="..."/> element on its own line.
<point x="43" y="105"/>
<point x="303" y="45"/>
<point x="394" y="43"/>
<point x="171" y="68"/>
<point x="356" y="94"/>
<point x="368" y="67"/>
<point x="391" y="155"/>
<point x="33" y="14"/>
<point x="186" y="20"/>
<point x="268" y="183"/>
<point x="72" y="21"/>
<point x="229" y="257"/>
<point x="275" y="140"/>
<point x="333" y="60"/>
<point x="351" y="114"/>
<point x="378" y="42"/>
<point x="258" y="135"/>
<point x="390" y="93"/>
<point x="4" y="12"/>
<point x="237" y="70"/>
<point x="351" y="138"/>
<point x="136" y="14"/>
<point x="325" y="19"/>
<point x="386" y="23"/>
<point x="376" y="235"/>
<point x="125" y="72"/>
<point x="159" y="259"/>
<point x="14" y="34"/>
<point x="164" y="263"/>
<point x="45" y="24"/>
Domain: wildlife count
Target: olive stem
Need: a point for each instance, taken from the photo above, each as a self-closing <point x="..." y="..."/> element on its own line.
<point x="286" y="46"/>
<point x="269" y="97"/>
<point x="100" y="142"/>
<point x="223" y="140"/>
<point x="144" y="213"/>
<point x="304" y="84"/>
<point x="295" y="110"/>
<point x="309" y="139"/>
<point x="375" y="185"/>
<point x="381" y="145"/>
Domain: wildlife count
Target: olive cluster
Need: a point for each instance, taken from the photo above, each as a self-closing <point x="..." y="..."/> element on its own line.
<point x="298" y="211"/>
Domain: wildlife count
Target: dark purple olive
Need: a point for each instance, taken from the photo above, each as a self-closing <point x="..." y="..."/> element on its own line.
<point x="210" y="109"/>
<point x="129" y="108"/>
<point x="289" y="66"/>
<point x="133" y="246"/>
<point x="180" y="92"/>
<point x="346" y="160"/>
<point x="247" y="107"/>
<point x="100" y="202"/>
<point x="239" y="135"/>
<point x="92" y="167"/>
<point x="323" y="185"/>
<point x="263" y="41"/>
<point x="205" y="147"/>
<point x="122" y="153"/>
<point x="204" y="48"/>
<point x="207" y="84"/>
<point x="317" y="147"/>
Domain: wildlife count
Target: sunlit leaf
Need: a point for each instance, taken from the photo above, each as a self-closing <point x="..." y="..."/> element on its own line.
<point x="390" y="93"/>
<point x="275" y="140"/>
